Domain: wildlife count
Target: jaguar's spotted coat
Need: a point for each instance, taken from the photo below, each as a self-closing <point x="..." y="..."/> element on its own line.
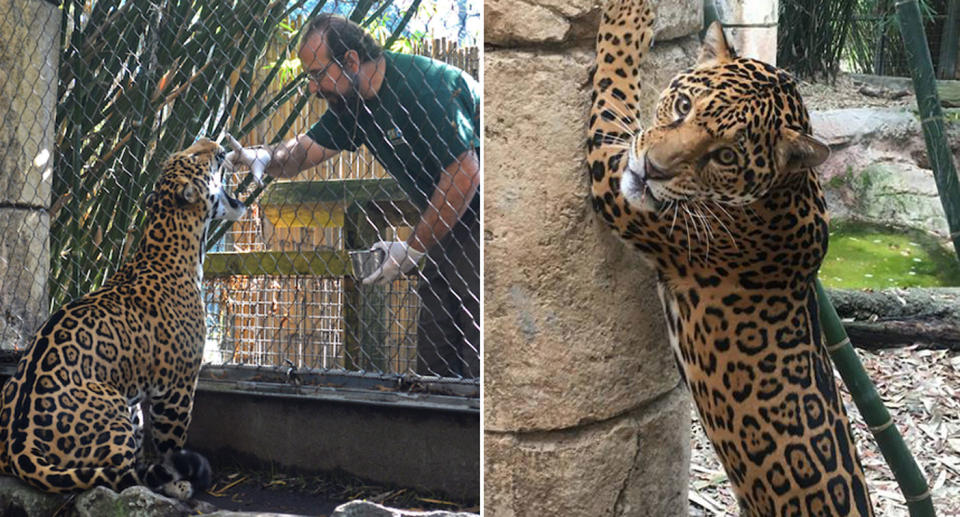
<point x="721" y="198"/>
<point x="70" y="414"/>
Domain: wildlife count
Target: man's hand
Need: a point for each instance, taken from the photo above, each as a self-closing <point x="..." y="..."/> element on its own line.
<point x="254" y="158"/>
<point x="398" y="258"/>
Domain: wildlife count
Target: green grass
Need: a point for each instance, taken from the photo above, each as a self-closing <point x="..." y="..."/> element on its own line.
<point x="871" y="256"/>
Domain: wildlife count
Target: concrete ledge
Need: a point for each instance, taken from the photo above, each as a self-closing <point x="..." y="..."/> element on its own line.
<point x="418" y="448"/>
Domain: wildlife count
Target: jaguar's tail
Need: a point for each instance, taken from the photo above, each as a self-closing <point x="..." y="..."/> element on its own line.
<point x="180" y="474"/>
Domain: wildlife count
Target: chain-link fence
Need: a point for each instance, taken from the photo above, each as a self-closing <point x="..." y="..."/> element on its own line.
<point x="367" y="148"/>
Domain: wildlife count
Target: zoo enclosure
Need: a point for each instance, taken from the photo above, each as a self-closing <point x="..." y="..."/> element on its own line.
<point x="136" y="81"/>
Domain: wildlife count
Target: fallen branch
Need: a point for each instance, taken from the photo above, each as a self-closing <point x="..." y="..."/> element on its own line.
<point x="900" y="317"/>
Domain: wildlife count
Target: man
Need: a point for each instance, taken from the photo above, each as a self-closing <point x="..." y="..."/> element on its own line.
<point x="419" y="117"/>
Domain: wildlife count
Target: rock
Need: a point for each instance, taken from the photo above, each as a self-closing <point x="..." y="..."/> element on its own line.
<point x="517" y="22"/>
<point x="889" y="192"/>
<point x="844" y="127"/>
<point x="605" y="468"/>
<point x="677" y="19"/>
<point x="878" y="170"/>
<point x="136" y="501"/>
<point x="575" y="299"/>
<point x="546" y="22"/>
<point x="18" y="498"/>
<point x="367" y="509"/>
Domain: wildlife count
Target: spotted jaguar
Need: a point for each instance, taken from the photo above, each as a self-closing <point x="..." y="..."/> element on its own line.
<point x="721" y="196"/>
<point x="70" y="417"/>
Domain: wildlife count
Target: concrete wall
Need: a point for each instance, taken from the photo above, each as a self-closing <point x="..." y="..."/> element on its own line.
<point x="751" y="27"/>
<point x="583" y="412"/>
<point x="29" y="37"/>
<point x="431" y="450"/>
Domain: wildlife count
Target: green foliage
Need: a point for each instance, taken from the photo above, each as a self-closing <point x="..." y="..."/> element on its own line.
<point x="811" y="36"/>
<point x="139" y="80"/>
<point x="874" y="45"/>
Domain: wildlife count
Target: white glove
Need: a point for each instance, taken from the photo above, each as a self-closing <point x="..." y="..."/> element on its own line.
<point x="255" y="158"/>
<point x="398" y="258"/>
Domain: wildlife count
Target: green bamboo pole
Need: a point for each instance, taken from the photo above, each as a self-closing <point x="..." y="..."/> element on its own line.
<point x="710" y="15"/>
<point x="931" y="114"/>
<point x="905" y="470"/>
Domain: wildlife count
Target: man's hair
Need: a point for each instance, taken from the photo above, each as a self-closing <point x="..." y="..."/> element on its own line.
<point x="341" y="35"/>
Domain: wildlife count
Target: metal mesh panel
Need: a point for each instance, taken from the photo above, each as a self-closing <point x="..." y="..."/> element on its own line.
<point x="94" y="96"/>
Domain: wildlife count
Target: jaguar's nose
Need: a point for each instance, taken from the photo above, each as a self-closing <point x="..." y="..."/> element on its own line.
<point x="652" y="172"/>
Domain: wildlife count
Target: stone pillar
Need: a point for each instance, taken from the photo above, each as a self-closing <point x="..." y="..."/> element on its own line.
<point x="751" y="27"/>
<point x="583" y="410"/>
<point x="29" y="50"/>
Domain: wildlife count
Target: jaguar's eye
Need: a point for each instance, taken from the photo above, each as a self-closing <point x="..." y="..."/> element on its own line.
<point x="725" y="156"/>
<point x="681" y="106"/>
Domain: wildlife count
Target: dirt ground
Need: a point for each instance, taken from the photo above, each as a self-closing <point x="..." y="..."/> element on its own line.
<point x="848" y="93"/>
<point x="276" y="491"/>
<point x="921" y="388"/>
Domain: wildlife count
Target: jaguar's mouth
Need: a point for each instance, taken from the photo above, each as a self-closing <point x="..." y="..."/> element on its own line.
<point x="635" y="185"/>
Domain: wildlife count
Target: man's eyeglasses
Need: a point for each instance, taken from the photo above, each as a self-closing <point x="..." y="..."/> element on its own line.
<point x="318" y="75"/>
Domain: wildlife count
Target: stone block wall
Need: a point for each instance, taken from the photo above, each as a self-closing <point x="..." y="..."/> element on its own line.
<point x="583" y="409"/>
<point x="29" y="48"/>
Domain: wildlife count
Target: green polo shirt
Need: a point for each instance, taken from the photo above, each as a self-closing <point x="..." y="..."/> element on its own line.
<point x="426" y="114"/>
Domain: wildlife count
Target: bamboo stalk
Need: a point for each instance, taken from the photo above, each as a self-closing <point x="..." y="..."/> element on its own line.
<point x="905" y="470"/>
<point x="931" y="115"/>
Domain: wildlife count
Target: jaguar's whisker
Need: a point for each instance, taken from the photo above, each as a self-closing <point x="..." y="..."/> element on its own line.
<point x="707" y="231"/>
<point x="689" y="244"/>
<point x="723" y="226"/>
<point x="624" y="114"/>
<point x="724" y="210"/>
<point x="676" y="207"/>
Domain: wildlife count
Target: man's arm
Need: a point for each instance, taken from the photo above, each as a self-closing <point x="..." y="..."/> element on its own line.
<point x="295" y="155"/>
<point x="450" y="199"/>
<point x="283" y="160"/>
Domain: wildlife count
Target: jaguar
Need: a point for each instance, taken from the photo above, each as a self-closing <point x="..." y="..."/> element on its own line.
<point x="71" y="415"/>
<point x="721" y="196"/>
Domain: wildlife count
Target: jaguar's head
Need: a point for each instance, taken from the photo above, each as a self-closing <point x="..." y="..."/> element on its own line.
<point x="728" y="130"/>
<point x="191" y="183"/>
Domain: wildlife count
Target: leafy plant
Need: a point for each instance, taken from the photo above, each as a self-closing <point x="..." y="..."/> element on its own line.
<point x="139" y="80"/>
<point x="874" y="45"/>
<point x="812" y="34"/>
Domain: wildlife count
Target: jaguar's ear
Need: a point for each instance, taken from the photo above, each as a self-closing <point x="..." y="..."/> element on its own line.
<point x="715" y="50"/>
<point x="797" y="151"/>
<point x="188" y="196"/>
